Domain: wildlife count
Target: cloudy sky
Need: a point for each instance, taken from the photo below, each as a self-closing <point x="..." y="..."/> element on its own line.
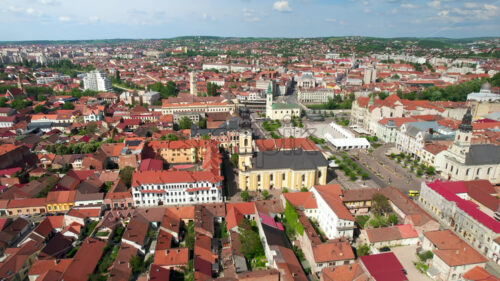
<point x="101" y="19"/>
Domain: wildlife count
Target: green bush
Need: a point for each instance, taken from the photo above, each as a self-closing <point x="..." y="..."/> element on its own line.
<point x="362" y="220"/>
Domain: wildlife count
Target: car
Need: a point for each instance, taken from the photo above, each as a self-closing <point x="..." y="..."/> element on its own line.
<point x="385" y="249"/>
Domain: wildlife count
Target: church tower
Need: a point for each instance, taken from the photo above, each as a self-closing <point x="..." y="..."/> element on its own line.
<point x="464" y="135"/>
<point x="192" y="83"/>
<point x="269" y="101"/>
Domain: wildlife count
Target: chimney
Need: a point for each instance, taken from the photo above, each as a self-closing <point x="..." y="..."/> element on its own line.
<point x="457" y="252"/>
<point x="350" y="267"/>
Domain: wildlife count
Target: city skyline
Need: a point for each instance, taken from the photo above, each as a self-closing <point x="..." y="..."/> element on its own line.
<point x="85" y="20"/>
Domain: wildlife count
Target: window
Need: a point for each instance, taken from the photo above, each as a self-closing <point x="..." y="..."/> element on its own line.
<point x="478" y="170"/>
<point x="283" y="176"/>
<point x="489" y="170"/>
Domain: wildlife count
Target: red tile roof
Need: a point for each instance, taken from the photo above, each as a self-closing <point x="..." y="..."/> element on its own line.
<point x="384" y="267"/>
<point x="446" y="189"/>
<point x="305" y="200"/>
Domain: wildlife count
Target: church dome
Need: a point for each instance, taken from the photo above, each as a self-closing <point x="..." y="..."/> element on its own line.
<point x="486" y="86"/>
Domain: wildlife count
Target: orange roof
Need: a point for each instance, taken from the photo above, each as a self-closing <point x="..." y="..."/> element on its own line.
<point x="479" y="274"/>
<point x="331" y="194"/>
<point x="333" y="251"/>
<point x="301" y="199"/>
<point x="344" y="273"/>
<point x="453" y="250"/>
<point x="26" y="202"/>
<point x="183" y="213"/>
<point x="62" y="196"/>
<point x="172" y="257"/>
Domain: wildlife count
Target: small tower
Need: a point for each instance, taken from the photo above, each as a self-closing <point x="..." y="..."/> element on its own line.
<point x="269" y="101"/>
<point x="464" y="135"/>
<point x="192" y="83"/>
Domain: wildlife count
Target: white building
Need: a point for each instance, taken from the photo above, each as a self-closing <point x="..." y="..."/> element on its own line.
<point x="97" y="81"/>
<point x="485" y="94"/>
<point x="315" y="95"/>
<point x="280" y="111"/>
<point x="156" y="188"/>
<point x="334" y="218"/>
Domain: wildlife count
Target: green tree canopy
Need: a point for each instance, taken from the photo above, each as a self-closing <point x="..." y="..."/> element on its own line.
<point x="185" y="123"/>
<point x="380" y="204"/>
<point x="126" y="175"/>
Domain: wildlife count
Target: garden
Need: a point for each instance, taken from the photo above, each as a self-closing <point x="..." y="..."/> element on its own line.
<point x="350" y="168"/>
<point x="407" y="161"/>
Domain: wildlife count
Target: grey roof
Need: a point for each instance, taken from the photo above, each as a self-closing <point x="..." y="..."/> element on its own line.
<point x="291" y="159"/>
<point x="413" y="128"/>
<point x="483" y="154"/>
<point x="232" y="124"/>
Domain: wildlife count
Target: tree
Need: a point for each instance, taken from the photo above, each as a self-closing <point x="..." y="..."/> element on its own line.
<point x="68" y="106"/>
<point x="234" y="159"/>
<point x="380" y="204"/>
<point x="189" y="240"/>
<point x="365" y="176"/>
<point x="284" y="190"/>
<point x="117" y="77"/>
<point x="362" y="250"/>
<point x="185" y="123"/>
<point x="126" y="175"/>
<point x="91" y="127"/>
<point x="212" y="89"/>
<point x="205" y="137"/>
<point x="172" y="137"/>
<point x="202" y="123"/>
<point x="245" y="196"/>
<point x="265" y="194"/>
<point x="137" y="264"/>
<point x="3" y="102"/>
<point x="40" y="109"/>
<point x="430" y="170"/>
<point x="393" y="219"/>
<point x="250" y="240"/>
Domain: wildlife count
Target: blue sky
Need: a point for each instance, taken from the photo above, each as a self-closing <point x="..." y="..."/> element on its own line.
<point x="104" y="19"/>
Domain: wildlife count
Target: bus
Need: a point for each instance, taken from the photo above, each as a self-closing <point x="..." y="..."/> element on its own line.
<point x="413" y="193"/>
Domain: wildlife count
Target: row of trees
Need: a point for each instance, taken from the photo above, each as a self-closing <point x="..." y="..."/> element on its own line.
<point x="73" y="148"/>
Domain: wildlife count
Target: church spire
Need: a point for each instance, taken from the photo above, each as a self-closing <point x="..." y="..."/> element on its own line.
<point x="371" y="101"/>
<point x="466" y="125"/>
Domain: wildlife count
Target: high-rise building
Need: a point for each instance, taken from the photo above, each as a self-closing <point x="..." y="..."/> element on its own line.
<point x="97" y="80"/>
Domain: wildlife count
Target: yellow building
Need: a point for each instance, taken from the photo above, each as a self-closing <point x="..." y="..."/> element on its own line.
<point x="180" y="151"/>
<point x="60" y="201"/>
<point x="291" y="169"/>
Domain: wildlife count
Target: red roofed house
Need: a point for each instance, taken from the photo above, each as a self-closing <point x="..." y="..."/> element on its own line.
<point x="391" y="236"/>
<point x="333" y="217"/>
<point x="464" y="217"/>
<point x="383" y="267"/>
<point x="175" y="258"/>
<point x="453" y="257"/>
<point x="304" y="201"/>
<point x="85" y="260"/>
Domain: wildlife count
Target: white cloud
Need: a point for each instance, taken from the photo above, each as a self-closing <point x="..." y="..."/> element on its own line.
<point x="64" y="18"/>
<point x="471" y="5"/>
<point x="49" y="2"/>
<point x="408" y="6"/>
<point x="30" y="11"/>
<point x="436" y="4"/>
<point x="250" y="15"/>
<point x="94" y="19"/>
<point x="330" y="20"/>
<point x="282" y="6"/>
<point x="367" y="10"/>
<point x="443" y="13"/>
